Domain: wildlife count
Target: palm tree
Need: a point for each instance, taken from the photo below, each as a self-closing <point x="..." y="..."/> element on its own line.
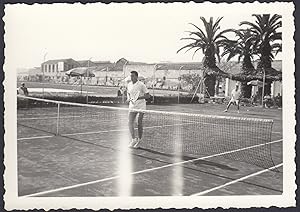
<point x="209" y="41"/>
<point x="243" y="48"/>
<point x="268" y="41"/>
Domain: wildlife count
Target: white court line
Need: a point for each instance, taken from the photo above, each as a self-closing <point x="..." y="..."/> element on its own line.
<point x="50" y="117"/>
<point x="236" y="181"/>
<point x="144" y="171"/>
<point x="37" y="137"/>
<point x="103" y="131"/>
<point x="96" y="132"/>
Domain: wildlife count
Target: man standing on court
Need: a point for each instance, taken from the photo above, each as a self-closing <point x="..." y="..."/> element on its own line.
<point x="235" y="98"/>
<point x="137" y="93"/>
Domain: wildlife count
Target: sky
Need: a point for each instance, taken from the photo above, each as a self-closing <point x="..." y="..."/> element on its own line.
<point x="100" y="32"/>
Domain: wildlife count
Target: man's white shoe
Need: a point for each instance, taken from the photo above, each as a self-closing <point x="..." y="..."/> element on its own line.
<point x="137" y="143"/>
<point x="132" y="143"/>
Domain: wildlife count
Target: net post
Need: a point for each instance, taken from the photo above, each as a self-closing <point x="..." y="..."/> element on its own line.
<point x="57" y="122"/>
<point x="178" y="98"/>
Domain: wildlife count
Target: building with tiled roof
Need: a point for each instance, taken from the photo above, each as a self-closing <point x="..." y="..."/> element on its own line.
<point x="86" y="63"/>
<point x="54" y="68"/>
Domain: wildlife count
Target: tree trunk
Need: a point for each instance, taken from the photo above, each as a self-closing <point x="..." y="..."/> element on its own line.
<point x="268" y="87"/>
<point x="247" y="69"/>
<point x="246" y="90"/>
<point x="217" y="87"/>
<point x="264" y="65"/>
<point x="210" y="81"/>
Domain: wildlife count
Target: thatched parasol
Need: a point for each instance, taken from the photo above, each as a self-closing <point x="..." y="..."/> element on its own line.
<point x="271" y="74"/>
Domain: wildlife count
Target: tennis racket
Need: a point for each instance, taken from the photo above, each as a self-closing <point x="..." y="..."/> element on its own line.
<point x="134" y="97"/>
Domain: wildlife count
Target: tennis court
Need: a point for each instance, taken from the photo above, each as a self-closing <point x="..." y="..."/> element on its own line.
<point x="203" y="151"/>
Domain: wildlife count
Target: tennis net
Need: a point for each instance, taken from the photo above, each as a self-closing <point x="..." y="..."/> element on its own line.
<point x="172" y="133"/>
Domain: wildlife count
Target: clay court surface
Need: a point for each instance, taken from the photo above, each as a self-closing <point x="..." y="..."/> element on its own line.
<point x="97" y="164"/>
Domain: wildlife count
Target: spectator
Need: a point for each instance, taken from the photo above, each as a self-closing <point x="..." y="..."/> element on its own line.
<point x="122" y="91"/>
<point x="119" y="91"/>
<point x="254" y="98"/>
<point x="278" y="100"/>
<point x="23" y="90"/>
<point x="267" y="101"/>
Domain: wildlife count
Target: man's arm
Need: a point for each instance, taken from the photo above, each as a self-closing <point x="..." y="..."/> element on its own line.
<point x="231" y="94"/>
<point x="145" y="91"/>
<point x="146" y="96"/>
<point x="128" y="98"/>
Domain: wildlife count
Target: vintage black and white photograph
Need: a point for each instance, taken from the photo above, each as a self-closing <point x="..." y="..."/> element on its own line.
<point x="153" y="105"/>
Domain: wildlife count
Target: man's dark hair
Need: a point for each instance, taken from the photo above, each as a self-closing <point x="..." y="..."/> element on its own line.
<point x="135" y="73"/>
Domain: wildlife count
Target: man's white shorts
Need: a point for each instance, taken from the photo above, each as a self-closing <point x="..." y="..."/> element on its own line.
<point x="236" y="102"/>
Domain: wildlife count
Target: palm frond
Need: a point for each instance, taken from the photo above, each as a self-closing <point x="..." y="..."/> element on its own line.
<point x="198" y="34"/>
<point x="201" y="32"/>
<point x="274" y="18"/>
<point x="190" y="48"/>
<point x="230" y="56"/>
<point x="196" y="52"/>
<point x="240" y="57"/>
<point x="276" y="36"/>
<point x="276" y="47"/>
<point x="207" y="29"/>
<point x="195" y="39"/>
<point x="252" y="25"/>
<point x="186" y="46"/>
<point x="216" y="26"/>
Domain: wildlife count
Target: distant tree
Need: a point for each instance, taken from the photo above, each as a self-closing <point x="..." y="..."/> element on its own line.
<point x="243" y="48"/>
<point x="209" y="41"/>
<point x="268" y="41"/>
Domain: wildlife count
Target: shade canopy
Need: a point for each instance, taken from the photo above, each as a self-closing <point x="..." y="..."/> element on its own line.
<point x="81" y="71"/>
<point x="271" y="74"/>
<point x="255" y="83"/>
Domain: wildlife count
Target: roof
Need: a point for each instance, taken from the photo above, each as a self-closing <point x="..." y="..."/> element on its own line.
<point x="107" y="67"/>
<point x="69" y="60"/>
<point x="137" y="63"/>
<point x="86" y="63"/>
<point x="101" y="62"/>
<point x="177" y="66"/>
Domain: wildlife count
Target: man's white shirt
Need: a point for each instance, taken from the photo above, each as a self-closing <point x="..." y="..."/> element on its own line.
<point x="235" y="95"/>
<point x="132" y="90"/>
